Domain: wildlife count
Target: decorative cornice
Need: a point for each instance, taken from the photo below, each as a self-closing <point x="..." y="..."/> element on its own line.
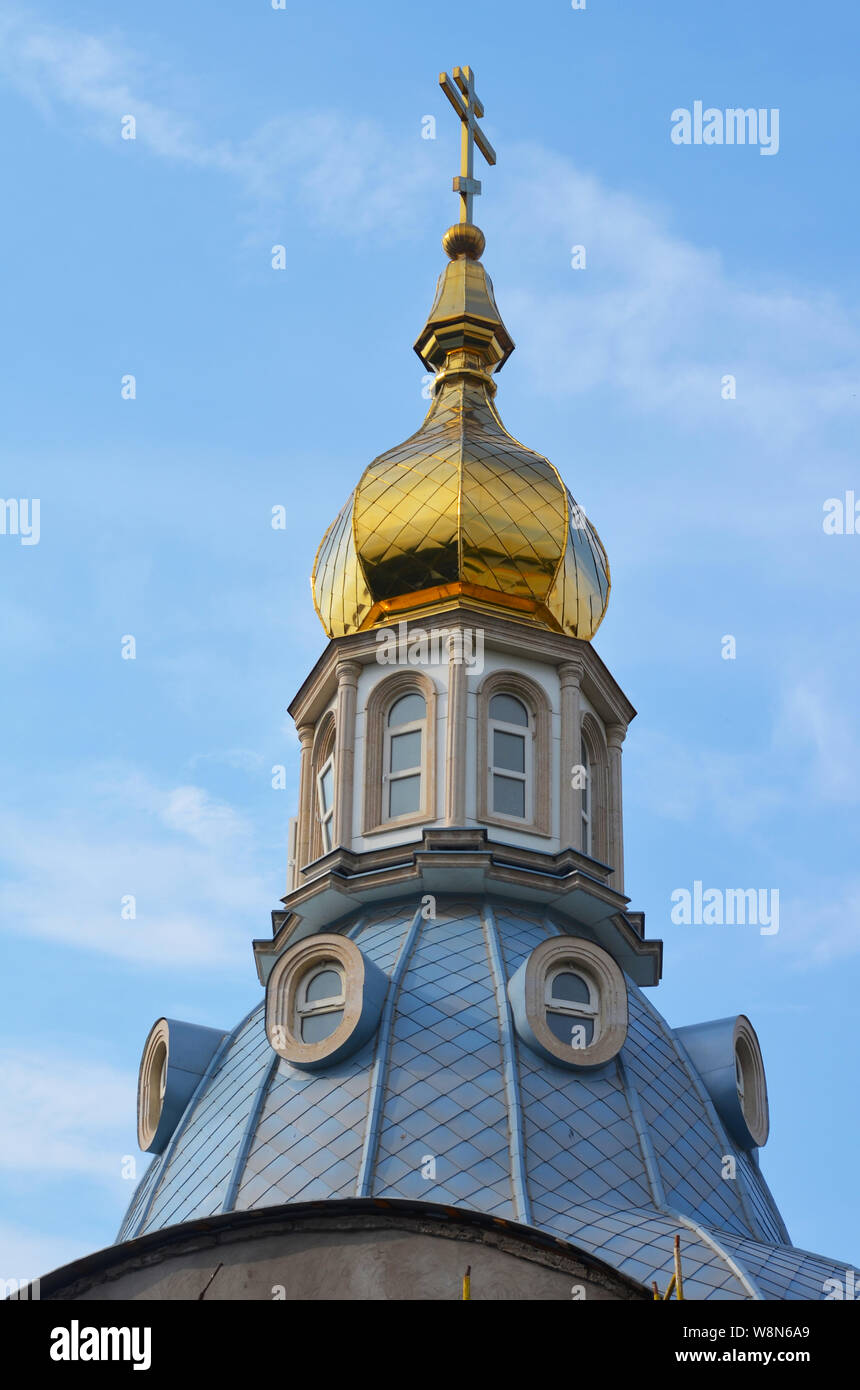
<point x="502" y="634"/>
<point x="450" y="860"/>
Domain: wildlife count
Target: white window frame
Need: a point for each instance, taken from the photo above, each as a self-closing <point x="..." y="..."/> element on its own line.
<point x="585" y="801"/>
<point x="307" y="1009"/>
<point x="416" y="725"/>
<point x="326" y="816"/>
<point x="569" y="1007"/>
<point x="527" y="733"/>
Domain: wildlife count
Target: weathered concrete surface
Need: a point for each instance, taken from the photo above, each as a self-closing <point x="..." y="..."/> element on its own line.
<point x="357" y="1250"/>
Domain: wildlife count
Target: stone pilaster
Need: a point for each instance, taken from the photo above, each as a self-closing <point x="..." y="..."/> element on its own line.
<point x="307" y="804"/>
<point x="615" y="734"/>
<point x="455" y="749"/>
<point x="344" y="751"/>
<point x="570" y="797"/>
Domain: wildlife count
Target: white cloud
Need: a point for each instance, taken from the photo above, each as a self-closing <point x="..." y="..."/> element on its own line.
<point x="344" y="172"/>
<point x="823" y="929"/>
<point x="654" y="317"/>
<point x="824" y="741"/>
<point x="195" y="903"/>
<point x="62" y="1115"/>
<point x="242" y="759"/>
<point x="683" y="783"/>
<point x="662" y="320"/>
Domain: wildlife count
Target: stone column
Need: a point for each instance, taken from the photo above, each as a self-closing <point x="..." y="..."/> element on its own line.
<point x="570" y="798"/>
<point x="344" y="751"/>
<point x="455" y="742"/>
<point x="307" y="803"/>
<point x="615" y="734"/>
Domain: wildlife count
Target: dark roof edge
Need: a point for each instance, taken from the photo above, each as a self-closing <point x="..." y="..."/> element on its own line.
<point x="73" y="1279"/>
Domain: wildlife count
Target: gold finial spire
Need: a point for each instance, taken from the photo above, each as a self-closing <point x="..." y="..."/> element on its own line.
<point x="461" y="514"/>
<point x="469" y="108"/>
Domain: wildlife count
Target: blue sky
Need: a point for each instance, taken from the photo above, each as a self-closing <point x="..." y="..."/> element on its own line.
<point x="302" y="127"/>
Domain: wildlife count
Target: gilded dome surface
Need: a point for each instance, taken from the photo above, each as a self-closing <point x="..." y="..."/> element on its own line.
<point x="462" y="512"/>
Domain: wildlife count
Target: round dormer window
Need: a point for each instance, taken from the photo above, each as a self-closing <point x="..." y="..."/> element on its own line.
<point x="152" y="1083"/>
<point x="323" y="1000"/>
<point x="569" y="1001"/>
<point x="750" y="1081"/>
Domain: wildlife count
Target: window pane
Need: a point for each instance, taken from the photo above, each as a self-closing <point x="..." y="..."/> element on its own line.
<point x="406" y="710"/>
<point x="326" y="834"/>
<point x="572" y="987"/>
<point x="509" y="796"/>
<point x="315" y="1027"/>
<point x="404" y="796"/>
<point x="326" y="985"/>
<point x="326" y="785"/>
<point x="405" y="751"/>
<point x="509" y="750"/>
<point x="562" y="1025"/>
<point x="509" y="710"/>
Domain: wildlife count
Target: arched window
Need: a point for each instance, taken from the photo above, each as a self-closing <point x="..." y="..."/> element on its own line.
<point x="514" y="753"/>
<point x="323" y="790"/>
<point x="403" y="757"/>
<point x="509" y="757"/>
<point x="585" y="798"/>
<point x="398" y="760"/>
<point x="572" y="1007"/>
<point x="594" y="796"/>
<point x="569" y="1001"/>
<point x="325" y="803"/>
<point x="320" y="1002"/>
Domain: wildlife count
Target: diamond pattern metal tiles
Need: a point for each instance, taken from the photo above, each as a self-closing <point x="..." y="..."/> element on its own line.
<point x="580" y="1139"/>
<point x="341" y="596"/>
<point x="129" y="1223"/>
<point x="445" y="1095"/>
<point x="771" y="1224"/>
<point x="689" y="1154"/>
<point x="460" y="499"/>
<point x="783" y="1272"/>
<point x="641" y="1243"/>
<point x="201" y="1164"/>
<point x="442" y="1092"/>
<point x="462" y="503"/>
<point x="308" y="1140"/>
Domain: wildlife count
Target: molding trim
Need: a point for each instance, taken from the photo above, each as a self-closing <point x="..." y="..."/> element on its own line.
<point x="598" y="755"/>
<point x="466" y="862"/>
<point x="324" y="746"/>
<point x="380" y="697"/>
<point x="527" y="993"/>
<point x="516" y="1143"/>
<point x="365" y="986"/>
<point x="500" y="634"/>
<point x="537" y="700"/>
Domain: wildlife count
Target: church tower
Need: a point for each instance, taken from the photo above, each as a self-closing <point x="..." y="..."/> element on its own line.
<point x="455" y="1063"/>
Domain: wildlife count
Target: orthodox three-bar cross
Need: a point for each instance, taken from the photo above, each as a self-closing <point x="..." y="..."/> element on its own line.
<point x="469" y="108"/>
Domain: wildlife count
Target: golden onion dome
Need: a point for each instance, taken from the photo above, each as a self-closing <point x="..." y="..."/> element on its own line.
<point x="462" y="514"/>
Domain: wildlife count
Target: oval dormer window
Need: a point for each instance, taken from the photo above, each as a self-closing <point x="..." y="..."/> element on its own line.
<point x="320" y="1000"/>
<point x="572" y="1007"/>
<point x="569" y="1001"/>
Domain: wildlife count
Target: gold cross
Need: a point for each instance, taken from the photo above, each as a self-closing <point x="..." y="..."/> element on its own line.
<point x="469" y="108"/>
